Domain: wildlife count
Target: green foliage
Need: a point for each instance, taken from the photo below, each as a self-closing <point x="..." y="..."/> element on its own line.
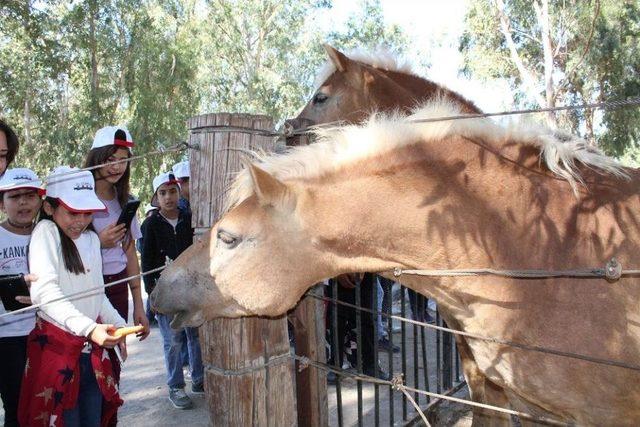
<point x="595" y="58"/>
<point x="69" y="67"/>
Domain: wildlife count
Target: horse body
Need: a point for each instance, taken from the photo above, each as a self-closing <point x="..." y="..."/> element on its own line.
<point x="440" y="195"/>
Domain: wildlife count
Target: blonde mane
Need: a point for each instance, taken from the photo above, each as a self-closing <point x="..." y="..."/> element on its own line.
<point x="382" y="58"/>
<point x="337" y="146"/>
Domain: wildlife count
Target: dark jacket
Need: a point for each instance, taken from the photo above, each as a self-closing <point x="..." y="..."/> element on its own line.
<point x="162" y="241"/>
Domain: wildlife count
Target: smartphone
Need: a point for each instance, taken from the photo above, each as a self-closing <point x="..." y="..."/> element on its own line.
<point x="128" y="212"/>
<point x="12" y="285"/>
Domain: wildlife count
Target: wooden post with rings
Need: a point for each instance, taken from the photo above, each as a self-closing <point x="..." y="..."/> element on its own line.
<point x="309" y="329"/>
<point x="249" y="375"/>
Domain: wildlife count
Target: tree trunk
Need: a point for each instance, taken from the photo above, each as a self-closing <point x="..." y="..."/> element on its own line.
<point x="542" y="12"/>
<point x="93" y="45"/>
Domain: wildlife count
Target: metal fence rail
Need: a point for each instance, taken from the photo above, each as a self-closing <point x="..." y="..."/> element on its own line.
<point x="427" y="359"/>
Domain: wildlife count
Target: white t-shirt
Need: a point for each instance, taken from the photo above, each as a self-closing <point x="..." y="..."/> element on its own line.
<point x="14" y="249"/>
<point x="79" y="314"/>
<point x="173" y="222"/>
<point x="114" y="260"/>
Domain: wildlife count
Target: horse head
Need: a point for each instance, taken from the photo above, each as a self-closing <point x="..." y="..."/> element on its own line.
<point x="205" y="281"/>
<point x="351" y="87"/>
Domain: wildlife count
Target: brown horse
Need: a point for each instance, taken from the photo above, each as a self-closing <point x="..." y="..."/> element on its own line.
<point x="351" y="88"/>
<point x="462" y="194"/>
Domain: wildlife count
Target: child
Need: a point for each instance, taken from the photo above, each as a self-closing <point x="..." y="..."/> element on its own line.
<point x="119" y="259"/>
<point x="168" y="233"/>
<point x="68" y="378"/>
<point x="20" y="202"/>
<point x="8" y="146"/>
<point x="183" y="173"/>
<point x="148" y="210"/>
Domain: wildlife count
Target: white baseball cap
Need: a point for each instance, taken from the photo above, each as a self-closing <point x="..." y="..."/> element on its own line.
<point x="17" y="178"/>
<point x="112" y="135"/>
<point x="181" y="170"/>
<point x="163" y="178"/>
<point x="75" y="191"/>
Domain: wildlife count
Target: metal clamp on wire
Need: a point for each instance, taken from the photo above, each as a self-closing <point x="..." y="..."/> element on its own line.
<point x="613" y="270"/>
<point x="167" y="261"/>
<point x="397" y="272"/>
<point x="190" y="146"/>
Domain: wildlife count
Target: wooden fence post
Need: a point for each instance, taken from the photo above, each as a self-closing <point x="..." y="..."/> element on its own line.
<point x="248" y="369"/>
<point x="309" y="326"/>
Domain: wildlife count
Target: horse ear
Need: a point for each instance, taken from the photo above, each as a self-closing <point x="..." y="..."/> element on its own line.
<point x="270" y="190"/>
<point x="339" y="59"/>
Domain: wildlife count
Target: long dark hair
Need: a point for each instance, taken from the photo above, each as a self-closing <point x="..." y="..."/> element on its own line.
<point x="70" y="255"/>
<point x="98" y="156"/>
<point x="12" y="141"/>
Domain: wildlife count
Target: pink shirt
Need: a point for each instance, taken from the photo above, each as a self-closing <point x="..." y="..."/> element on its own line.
<point x="114" y="260"/>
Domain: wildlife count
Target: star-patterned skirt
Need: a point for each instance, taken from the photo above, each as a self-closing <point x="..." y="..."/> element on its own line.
<point x="51" y="377"/>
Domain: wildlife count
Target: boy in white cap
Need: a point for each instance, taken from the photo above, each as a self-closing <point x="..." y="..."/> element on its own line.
<point x="183" y="173"/>
<point x="168" y="233"/>
<point x="20" y="199"/>
<point x="69" y="350"/>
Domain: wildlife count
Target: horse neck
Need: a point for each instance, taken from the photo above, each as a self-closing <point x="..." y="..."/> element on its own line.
<point x="415" y="207"/>
<point x="424" y="90"/>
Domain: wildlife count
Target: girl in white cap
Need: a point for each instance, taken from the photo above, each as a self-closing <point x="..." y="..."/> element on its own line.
<point x="119" y="258"/>
<point x="69" y="375"/>
<point x="20" y="199"/>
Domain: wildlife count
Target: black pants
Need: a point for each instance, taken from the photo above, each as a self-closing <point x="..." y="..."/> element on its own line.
<point x="347" y="320"/>
<point x="13" y="357"/>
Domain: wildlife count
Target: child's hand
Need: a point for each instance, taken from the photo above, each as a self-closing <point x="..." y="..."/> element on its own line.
<point x="110" y="236"/>
<point x="30" y="278"/>
<point x="101" y="336"/>
<point x="123" y="349"/>
<point x="140" y="318"/>
<point x="23" y="298"/>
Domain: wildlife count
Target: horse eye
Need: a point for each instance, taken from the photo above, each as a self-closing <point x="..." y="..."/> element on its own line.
<point x="319" y="98"/>
<point x="227" y="238"/>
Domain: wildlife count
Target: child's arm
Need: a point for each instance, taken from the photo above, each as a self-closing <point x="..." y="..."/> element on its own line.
<point x="44" y="261"/>
<point x="150" y="255"/>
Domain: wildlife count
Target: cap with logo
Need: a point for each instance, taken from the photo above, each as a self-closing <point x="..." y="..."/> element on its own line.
<point x="19" y="178"/>
<point x="163" y="178"/>
<point x="181" y="170"/>
<point x="74" y="189"/>
<point x="112" y="135"/>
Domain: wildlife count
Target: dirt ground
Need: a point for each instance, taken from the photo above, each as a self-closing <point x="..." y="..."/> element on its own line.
<point x="144" y="391"/>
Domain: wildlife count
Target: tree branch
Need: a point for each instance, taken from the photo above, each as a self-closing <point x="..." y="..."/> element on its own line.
<point x="588" y="44"/>
<point x="527" y="75"/>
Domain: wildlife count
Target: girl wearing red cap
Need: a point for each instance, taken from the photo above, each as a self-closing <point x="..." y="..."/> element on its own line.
<point x="119" y="259"/>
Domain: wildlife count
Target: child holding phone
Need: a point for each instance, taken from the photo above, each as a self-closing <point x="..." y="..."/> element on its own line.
<point x="69" y="377"/>
<point x="119" y="259"/>
<point x="20" y="202"/>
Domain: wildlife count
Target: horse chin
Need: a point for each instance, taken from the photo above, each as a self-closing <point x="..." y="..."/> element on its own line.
<point x="183" y="319"/>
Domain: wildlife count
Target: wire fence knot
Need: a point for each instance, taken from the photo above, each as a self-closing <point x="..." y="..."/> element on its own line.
<point x="397" y="382"/>
<point x="303" y="363"/>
